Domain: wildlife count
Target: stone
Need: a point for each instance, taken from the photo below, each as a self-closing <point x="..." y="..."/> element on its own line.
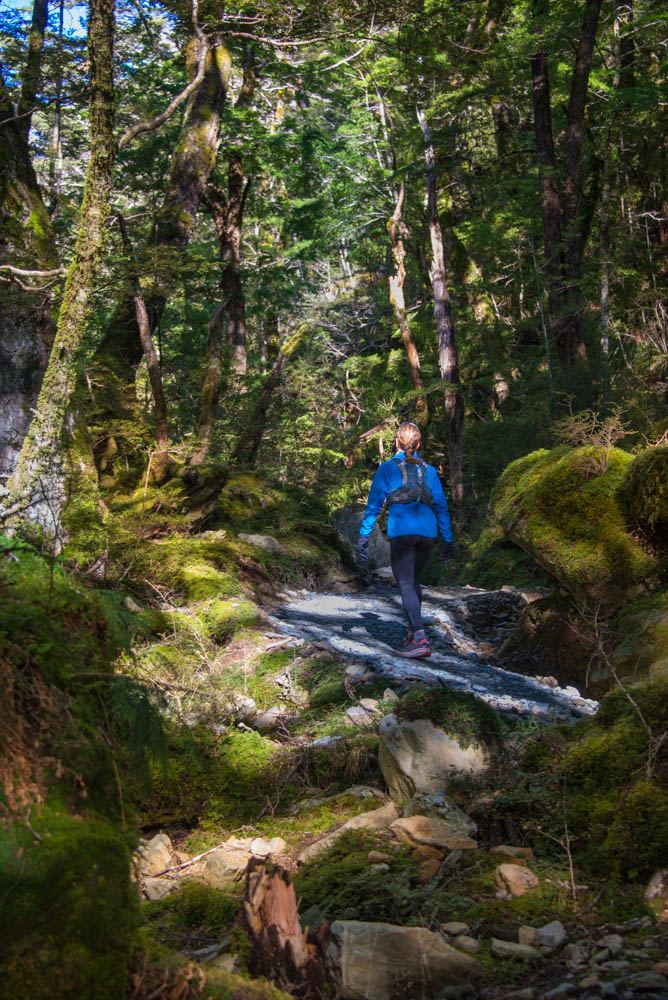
<point x="369" y="703"/>
<point x="656" y="895"/>
<point x="454" y="927"/>
<point x="551" y="937"/>
<point x="511" y="854"/>
<point x="526" y="994"/>
<point x="613" y="942"/>
<point x="438" y="804"/>
<point x="378" y="961"/>
<point x="560" y="992"/>
<point x="433" y="832"/>
<point x="515" y="879"/>
<point x="224" y="864"/>
<point x="158" y="888"/>
<point x="242" y="707"/>
<point x="262" y="848"/>
<point x="347" y="522"/>
<point x="468" y="944"/>
<point x="512" y="949"/>
<point x="661" y="967"/>
<point x="574" y="954"/>
<point x="377" y="819"/>
<point x="527" y="935"/>
<point x="266" y="542"/>
<point x="154" y="855"/>
<point x="589" y="983"/>
<point x="269" y="719"/>
<point x="646" y="982"/>
<point x="359" y="716"/>
<point x="131" y="605"/>
<point x="378" y="857"/>
<point x="428" y="869"/>
<point x="380" y="868"/>
<point x="425" y="853"/>
<point x="390" y="696"/>
<point x="420" y="757"/>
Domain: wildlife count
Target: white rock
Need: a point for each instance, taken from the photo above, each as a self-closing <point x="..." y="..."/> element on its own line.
<point x="269" y="719"/>
<point x="154" y="855"/>
<point x="359" y="716"/>
<point x="224" y="864"/>
<point x="551" y="936"/>
<point x="434" y="832"/>
<point x="527" y="935"/>
<point x="511" y="949"/>
<point x="158" y="888"/>
<point x="515" y="879"/>
<point x="262" y="848"/>
<point x="265" y="542"/>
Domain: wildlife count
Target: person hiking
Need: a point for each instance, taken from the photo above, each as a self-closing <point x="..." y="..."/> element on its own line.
<point x="417" y="510"/>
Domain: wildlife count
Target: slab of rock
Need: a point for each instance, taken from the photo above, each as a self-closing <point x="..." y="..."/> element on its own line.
<point x="347" y="522"/>
<point x="154" y="855"/>
<point x="454" y="927"/>
<point x="224" y="864"/>
<point x="158" y="888"/>
<point x="425" y="853"/>
<point x="527" y="935"/>
<point x="438" y="804"/>
<point x="515" y="879"/>
<point x="433" y="832"/>
<point x="377" y="819"/>
<point x="428" y="869"/>
<point x="511" y="854"/>
<point x="357" y="715"/>
<point x="420" y="757"/>
<point x="266" y="542"/>
<point x="377" y="961"/>
<point x="466" y="943"/>
<point x="551" y="937"/>
<point x="512" y="949"/>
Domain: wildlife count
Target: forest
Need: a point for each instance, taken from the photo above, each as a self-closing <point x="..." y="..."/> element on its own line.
<point x="240" y="245"/>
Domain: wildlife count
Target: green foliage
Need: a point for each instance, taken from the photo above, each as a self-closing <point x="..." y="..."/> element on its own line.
<point x="643" y="496"/>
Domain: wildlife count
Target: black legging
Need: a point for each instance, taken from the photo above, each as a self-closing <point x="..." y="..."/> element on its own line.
<point x="408" y="555"/>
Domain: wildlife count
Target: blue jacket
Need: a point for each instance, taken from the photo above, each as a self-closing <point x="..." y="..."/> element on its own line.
<point x="407" y="518"/>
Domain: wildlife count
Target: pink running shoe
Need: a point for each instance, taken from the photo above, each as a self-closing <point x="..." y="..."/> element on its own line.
<point x="415" y="649"/>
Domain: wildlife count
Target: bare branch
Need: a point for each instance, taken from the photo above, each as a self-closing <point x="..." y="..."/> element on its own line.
<point x="20" y="272"/>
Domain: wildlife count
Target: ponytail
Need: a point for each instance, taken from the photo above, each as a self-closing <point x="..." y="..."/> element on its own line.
<point x="408" y="437"/>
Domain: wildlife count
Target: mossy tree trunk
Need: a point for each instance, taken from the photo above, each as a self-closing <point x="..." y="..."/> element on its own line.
<point x="27" y="327"/>
<point x="39" y="482"/>
<point x="445" y="328"/>
<point x="120" y="350"/>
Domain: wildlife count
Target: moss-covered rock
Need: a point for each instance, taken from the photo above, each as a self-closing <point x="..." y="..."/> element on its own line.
<point x="561" y="508"/>
<point x="642" y="631"/>
<point x="643" y="496"/>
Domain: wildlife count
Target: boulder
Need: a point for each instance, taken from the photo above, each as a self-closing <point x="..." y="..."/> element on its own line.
<point x="263" y="848"/>
<point x="656" y="895"/>
<point x="420" y="757"/>
<point x="512" y="949"/>
<point x="428" y="869"/>
<point x="358" y="715"/>
<point x="224" y="864"/>
<point x="377" y="819"/>
<point x="347" y="521"/>
<point x="551" y="937"/>
<point x="158" y="888"/>
<point x="466" y="943"/>
<point x="455" y="928"/>
<point x="265" y="542"/>
<point x="527" y="935"/>
<point x="269" y="719"/>
<point x="154" y="855"/>
<point x="515" y="880"/>
<point x="433" y="832"/>
<point x="376" y="961"/>
<point x="511" y="854"/>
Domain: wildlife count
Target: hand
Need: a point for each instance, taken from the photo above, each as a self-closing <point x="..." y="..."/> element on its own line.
<point x="363" y="550"/>
<point x="448" y="554"/>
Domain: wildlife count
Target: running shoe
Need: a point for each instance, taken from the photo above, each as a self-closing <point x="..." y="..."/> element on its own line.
<point x="409" y="639"/>
<point x="415" y="649"/>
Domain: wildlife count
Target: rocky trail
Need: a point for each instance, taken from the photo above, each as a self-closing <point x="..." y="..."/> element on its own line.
<point x="465" y="628"/>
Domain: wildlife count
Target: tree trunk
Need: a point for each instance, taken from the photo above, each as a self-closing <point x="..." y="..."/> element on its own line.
<point x="399" y="305"/>
<point x="27" y="327"/>
<point x="252" y="433"/>
<point x="213" y="378"/>
<point x="38" y="484"/>
<point x="281" y="950"/>
<point x="32" y="72"/>
<point x="445" y="328"/>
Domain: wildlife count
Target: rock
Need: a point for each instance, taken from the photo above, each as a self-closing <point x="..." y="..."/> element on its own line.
<point x="468" y="944"/>
<point x="425" y="853"/>
<point x="434" y="832"/>
<point x="428" y="869"/>
<point x="656" y="895"/>
<point x="661" y="967"/>
<point x="574" y="954"/>
<point x="374" y="961"/>
<point x="154" y="855"/>
<point x="366" y="792"/>
<point x="265" y="542"/>
<point x="454" y="927"/>
<point x="420" y="757"/>
<point x="646" y="982"/>
<point x="262" y="848"/>
<point x="382" y="868"/>
<point x="551" y="937"/>
<point x="224" y="864"/>
<point x="527" y="935"/>
<point x="511" y="949"/>
<point x="269" y="719"/>
<point x="158" y="888"/>
<point x="377" y="819"/>
<point x="131" y="605"/>
<point x="438" y="804"/>
<point x="589" y="983"/>
<point x="515" y="879"/>
<point x="378" y="857"/>
<point x="369" y="703"/>
<point x="613" y="942"/>
<point x="526" y="994"/>
<point x="511" y="854"/>
<point x="560" y="992"/>
<point x="242" y="707"/>
<point x="347" y="522"/>
<point x="359" y="716"/>
<point x="390" y="696"/>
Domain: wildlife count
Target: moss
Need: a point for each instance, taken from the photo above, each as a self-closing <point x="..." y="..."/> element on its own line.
<point x="494" y="562"/>
<point x="224" y="618"/>
<point x="643" y="496"/>
<point x="563" y="511"/>
<point x="69" y="909"/>
<point x="461" y="715"/>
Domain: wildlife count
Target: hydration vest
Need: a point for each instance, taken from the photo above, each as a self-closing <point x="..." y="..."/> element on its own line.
<point x="413" y="483"/>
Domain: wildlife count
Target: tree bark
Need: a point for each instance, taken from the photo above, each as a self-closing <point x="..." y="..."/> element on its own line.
<point x="27" y="327"/>
<point x="38" y="484"/>
<point x="397" y="231"/>
<point x="213" y="378"/>
<point x="445" y="328"/>
<point x="33" y="67"/>
<point x="251" y="435"/>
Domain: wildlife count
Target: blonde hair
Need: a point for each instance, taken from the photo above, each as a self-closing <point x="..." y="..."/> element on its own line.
<point x="408" y="438"/>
